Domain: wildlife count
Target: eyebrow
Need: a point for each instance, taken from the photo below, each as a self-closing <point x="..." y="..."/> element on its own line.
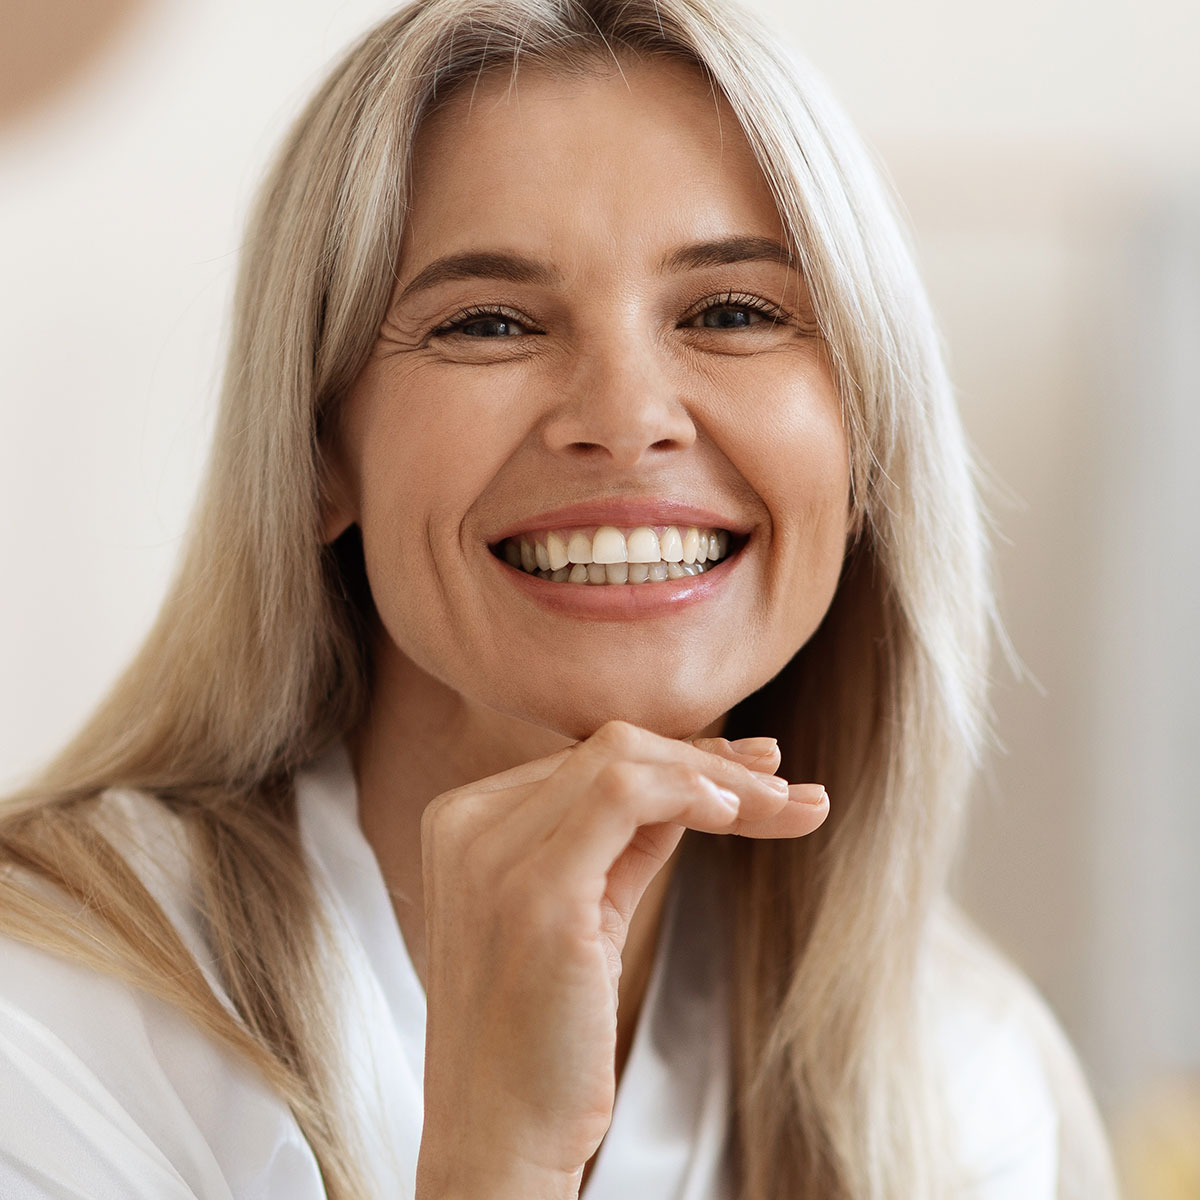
<point x="720" y="252"/>
<point x="516" y="268"/>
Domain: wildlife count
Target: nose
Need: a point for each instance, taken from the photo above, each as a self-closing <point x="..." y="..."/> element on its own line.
<point x="619" y="404"/>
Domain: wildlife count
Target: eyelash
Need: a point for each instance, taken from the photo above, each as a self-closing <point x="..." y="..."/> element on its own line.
<point x="467" y="316"/>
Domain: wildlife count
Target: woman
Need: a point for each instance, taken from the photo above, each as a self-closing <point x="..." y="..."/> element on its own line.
<point x="584" y="433"/>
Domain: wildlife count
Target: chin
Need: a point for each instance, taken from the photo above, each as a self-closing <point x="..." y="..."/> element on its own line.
<point x="679" y="716"/>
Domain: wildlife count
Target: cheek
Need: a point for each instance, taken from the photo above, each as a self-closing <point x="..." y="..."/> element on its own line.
<point x="430" y="441"/>
<point x="795" y="455"/>
<point x="793" y="450"/>
<point x="421" y="464"/>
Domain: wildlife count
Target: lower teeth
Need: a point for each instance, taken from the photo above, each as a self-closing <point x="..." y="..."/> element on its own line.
<point x="599" y="573"/>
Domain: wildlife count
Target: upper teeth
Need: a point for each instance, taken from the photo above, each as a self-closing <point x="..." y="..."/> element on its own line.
<point x="551" y="550"/>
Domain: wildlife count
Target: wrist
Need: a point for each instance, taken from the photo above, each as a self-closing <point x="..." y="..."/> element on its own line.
<point x="455" y="1176"/>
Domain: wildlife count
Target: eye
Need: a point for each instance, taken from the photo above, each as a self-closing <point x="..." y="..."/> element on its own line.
<point x="482" y="322"/>
<point x="733" y="311"/>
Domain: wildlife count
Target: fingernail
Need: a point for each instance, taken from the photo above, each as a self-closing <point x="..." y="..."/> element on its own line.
<point x="779" y="785"/>
<point x="755" y="747"/>
<point x="808" y="793"/>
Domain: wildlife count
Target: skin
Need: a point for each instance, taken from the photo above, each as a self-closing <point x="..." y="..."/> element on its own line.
<point x="615" y="379"/>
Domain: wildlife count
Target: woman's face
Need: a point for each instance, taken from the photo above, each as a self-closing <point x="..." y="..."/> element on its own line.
<point x="591" y="310"/>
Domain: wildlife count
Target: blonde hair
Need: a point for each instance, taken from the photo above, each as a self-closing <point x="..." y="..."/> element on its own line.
<point x="257" y="661"/>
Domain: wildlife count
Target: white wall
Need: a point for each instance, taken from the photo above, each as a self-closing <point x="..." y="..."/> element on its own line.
<point x="120" y="215"/>
<point x="1045" y="151"/>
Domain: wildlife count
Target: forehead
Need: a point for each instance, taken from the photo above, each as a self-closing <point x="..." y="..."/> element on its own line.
<point x="572" y="162"/>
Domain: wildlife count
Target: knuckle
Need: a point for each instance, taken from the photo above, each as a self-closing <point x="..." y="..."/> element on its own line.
<point x="745" y="774"/>
<point x="618" y="782"/>
<point x="432" y="819"/>
<point x="617" y="735"/>
<point x="685" y="777"/>
<point x="444" y="822"/>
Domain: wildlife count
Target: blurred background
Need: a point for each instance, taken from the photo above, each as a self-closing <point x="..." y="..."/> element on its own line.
<point x="1048" y="155"/>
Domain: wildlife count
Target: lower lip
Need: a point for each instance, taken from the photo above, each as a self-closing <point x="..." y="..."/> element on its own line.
<point x="622" y="601"/>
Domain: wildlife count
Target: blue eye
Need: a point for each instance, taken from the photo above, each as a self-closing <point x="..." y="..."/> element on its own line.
<point x="484" y="323"/>
<point x="726" y="316"/>
<point x="736" y="312"/>
<point x="489" y="327"/>
<point x="725" y="312"/>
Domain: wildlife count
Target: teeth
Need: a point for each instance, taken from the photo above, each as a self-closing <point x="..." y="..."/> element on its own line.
<point x="579" y="548"/>
<point x="644" y="546"/>
<point x="611" y="555"/>
<point x="672" y="546"/>
<point x="622" y="572"/>
<point x="608" y="546"/>
<point x="556" y="550"/>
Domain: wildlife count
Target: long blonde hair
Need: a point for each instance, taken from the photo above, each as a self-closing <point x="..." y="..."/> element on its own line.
<point x="257" y="662"/>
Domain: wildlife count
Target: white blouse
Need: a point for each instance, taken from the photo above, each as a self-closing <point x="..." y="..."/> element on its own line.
<point x="108" y="1094"/>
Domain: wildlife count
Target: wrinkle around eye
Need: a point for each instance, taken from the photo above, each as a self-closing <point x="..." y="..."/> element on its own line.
<point x="396" y="336"/>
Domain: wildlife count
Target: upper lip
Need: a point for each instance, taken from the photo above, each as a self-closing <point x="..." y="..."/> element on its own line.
<point x="622" y="512"/>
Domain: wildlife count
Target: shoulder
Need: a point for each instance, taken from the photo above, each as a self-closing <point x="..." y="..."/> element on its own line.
<point x="1022" y="1115"/>
<point x="1004" y="1119"/>
<point x="107" y="1088"/>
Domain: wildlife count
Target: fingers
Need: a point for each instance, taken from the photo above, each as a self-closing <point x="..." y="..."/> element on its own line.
<point x="547" y="801"/>
<point x="622" y="742"/>
<point x="758" y="753"/>
<point x="762" y="754"/>
<point x="806" y="808"/>
<point x="624" y="796"/>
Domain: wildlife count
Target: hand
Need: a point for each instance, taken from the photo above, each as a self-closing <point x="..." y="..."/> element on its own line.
<point x="531" y="878"/>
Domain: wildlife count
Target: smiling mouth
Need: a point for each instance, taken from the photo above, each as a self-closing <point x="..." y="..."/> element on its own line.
<point x="608" y="554"/>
